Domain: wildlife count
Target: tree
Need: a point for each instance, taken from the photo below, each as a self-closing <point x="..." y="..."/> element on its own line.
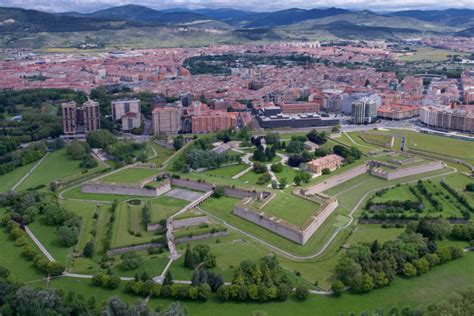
<point x="88" y="250"/>
<point x="295" y="146"/>
<point x="470" y="187"/>
<point x="174" y="309"/>
<point x="115" y="307"/>
<point x="409" y="270"/>
<point x="76" y="150"/>
<point x="325" y="171"/>
<point x="130" y="261"/>
<point x="28" y="301"/>
<point x="100" y="138"/>
<point x="337" y="287"/>
<point x="178" y="142"/>
<point x="189" y="258"/>
<point x="55" y="268"/>
<point x="68" y="235"/>
<point x="168" y="278"/>
<point x="277" y="167"/>
<point x="317" y="137"/>
<point x="297" y="180"/>
<point x="301" y="292"/>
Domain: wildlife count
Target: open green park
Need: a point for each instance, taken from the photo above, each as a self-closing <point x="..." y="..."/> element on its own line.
<point x="312" y="264"/>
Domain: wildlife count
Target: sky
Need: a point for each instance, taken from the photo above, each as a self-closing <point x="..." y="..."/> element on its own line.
<point x="252" y="5"/>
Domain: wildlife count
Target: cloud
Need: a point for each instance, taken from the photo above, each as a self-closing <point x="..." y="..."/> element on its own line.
<point x="253" y="5"/>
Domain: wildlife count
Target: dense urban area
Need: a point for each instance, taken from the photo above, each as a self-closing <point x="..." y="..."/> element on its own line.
<point x="330" y="176"/>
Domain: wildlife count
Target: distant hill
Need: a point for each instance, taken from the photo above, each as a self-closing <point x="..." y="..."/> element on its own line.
<point x="25" y="21"/>
<point x="347" y="30"/>
<point x="290" y="16"/>
<point x="469" y="32"/>
<point x="371" y="19"/>
<point x="223" y="14"/>
<point x="451" y="17"/>
<point x="142" y="14"/>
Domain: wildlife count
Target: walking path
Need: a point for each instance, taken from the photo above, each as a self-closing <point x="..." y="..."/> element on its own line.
<point x="29" y="172"/>
<point x="39" y="244"/>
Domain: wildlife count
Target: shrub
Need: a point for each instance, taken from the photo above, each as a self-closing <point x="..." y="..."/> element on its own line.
<point x="301" y="292"/>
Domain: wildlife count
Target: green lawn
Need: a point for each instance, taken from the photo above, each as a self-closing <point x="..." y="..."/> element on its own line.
<point x="127" y="218"/>
<point x="163" y="153"/>
<point x="48" y="237"/>
<point x="11" y="258"/>
<point x="130" y="175"/>
<point x="165" y="206"/>
<point x="57" y="166"/>
<point x="86" y="211"/>
<point x="227" y="171"/>
<point x="414" y="292"/>
<point x="291" y="208"/>
<point x="401" y="193"/>
<point x="76" y="193"/>
<point x="8" y="180"/>
<point x="287" y="173"/>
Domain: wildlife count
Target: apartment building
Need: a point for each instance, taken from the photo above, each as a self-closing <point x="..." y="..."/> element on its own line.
<point x="166" y="120"/>
<point x="128" y="111"/>
<point x="79" y="120"/>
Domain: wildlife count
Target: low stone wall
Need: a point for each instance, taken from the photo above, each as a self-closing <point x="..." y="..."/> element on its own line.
<point x="192" y="184"/>
<point x="405" y="172"/>
<point x="200" y="237"/>
<point x="336" y="180"/>
<point x="119" y="251"/>
<point x="191" y="221"/>
<point x="120" y="189"/>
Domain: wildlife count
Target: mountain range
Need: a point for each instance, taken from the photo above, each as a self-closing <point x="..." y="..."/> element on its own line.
<point x="285" y="24"/>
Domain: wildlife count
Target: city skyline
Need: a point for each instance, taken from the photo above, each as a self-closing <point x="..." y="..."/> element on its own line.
<point x="85" y="6"/>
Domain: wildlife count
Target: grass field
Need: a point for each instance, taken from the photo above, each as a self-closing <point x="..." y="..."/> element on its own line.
<point x="130" y="175"/>
<point x="165" y="206"/>
<point x="429" y="54"/>
<point x="48" y="237"/>
<point x="403" y="292"/>
<point x="227" y="171"/>
<point x="76" y="193"/>
<point x="291" y="208"/>
<point x="86" y="211"/>
<point x="57" y="166"/>
<point x="163" y="153"/>
<point x="11" y="258"/>
<point x="129" y="219"/>
<point x="8" y="180"/>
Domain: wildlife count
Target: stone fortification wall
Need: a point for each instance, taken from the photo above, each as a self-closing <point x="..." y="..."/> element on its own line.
<point x="315" y="222"/>
<point x="278" y="227"/>
<point x="336" y="180"/>
<point x="289" y="231"/>
<point x="104" y="188"/>
<point x="234" y="192"/>
<point x="405" y="172"/>
<point x="200" y="237"/>
<point x="191" y="221"/>
<point x="192" y="184"/>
